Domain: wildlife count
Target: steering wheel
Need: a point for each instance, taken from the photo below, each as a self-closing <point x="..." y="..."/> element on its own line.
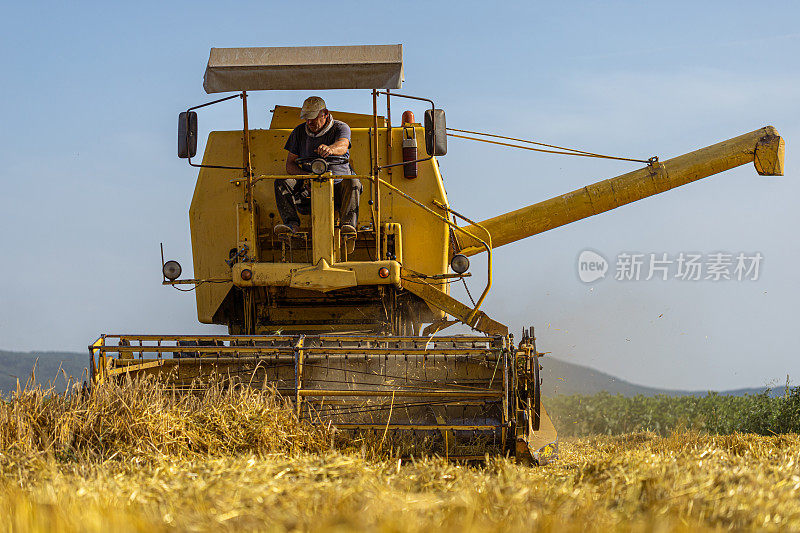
<point x="319" y="165"/>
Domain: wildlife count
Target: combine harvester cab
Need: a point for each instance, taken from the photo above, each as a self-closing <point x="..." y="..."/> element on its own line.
<point x="335" y="321"/>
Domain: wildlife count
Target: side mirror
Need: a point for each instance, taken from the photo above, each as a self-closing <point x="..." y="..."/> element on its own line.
<point x="187" y="134"/>
<point x="435" y="132"/>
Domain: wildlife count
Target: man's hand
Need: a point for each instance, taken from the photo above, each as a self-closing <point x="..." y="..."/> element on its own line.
<point x="324" y="150"/>
<point x="291" y="165"/>
<point x="340" y="147"/>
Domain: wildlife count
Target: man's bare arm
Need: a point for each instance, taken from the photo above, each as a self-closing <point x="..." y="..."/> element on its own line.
<point x="340" y="147"/>
<point x="291" y="167"/>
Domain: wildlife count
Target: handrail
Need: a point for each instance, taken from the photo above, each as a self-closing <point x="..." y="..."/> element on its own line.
<point x="325" y="176"/>
<point x="488" y="236"/>
<point x="486" y="245"/>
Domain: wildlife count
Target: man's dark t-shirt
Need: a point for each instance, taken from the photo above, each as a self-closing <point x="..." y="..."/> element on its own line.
<point x="301" y="144"/>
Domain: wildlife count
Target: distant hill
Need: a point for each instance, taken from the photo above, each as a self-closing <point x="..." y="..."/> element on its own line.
<point x="559" y="377"/>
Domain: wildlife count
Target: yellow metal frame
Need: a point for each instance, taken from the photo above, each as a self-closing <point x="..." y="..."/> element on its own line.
<point x="131" y="352"/>
<point x="285" y="274"/>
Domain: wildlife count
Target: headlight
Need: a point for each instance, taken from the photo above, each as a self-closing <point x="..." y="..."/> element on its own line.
<point x="319" y="166"/>
<point x="172" y="270"/>
<point x="459" y="263"/>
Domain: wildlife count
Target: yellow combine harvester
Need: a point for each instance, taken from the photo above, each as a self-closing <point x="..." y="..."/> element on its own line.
<point x="335" y="321"/>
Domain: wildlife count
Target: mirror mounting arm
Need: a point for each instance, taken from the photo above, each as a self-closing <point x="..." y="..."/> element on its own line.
<point x="187" y="117"/>
<point x="433" y="115"/>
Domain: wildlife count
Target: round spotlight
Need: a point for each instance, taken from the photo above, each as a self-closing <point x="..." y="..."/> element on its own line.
<point x="319" y="166"/>
<point x="172" y="270"/>
<point x="383" y="272"/>
<point x="459" y="263"/>
<point x="246" y="274"/>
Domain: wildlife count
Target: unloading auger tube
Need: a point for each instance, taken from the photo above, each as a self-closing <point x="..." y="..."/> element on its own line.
<point x="333" y="321"/>
<point x="763" y="147"/>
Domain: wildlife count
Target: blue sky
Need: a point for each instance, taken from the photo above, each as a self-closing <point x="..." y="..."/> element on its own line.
<point x="91" y="184"/>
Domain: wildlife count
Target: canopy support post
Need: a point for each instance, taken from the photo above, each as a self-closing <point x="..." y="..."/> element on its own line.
<point x="376" y="179"/>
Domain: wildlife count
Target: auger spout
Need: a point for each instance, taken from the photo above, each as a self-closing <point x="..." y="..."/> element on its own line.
<point x="764" y="147"/>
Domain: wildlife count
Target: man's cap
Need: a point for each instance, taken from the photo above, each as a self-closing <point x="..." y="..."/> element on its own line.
<point x="311" y="107"/>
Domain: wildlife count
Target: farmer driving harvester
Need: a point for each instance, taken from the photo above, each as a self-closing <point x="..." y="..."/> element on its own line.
<point x="320" y="136"/>
<point x="335" y="326"/>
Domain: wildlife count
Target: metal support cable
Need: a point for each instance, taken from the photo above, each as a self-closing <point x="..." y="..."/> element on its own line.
<point x="559" y="150"/>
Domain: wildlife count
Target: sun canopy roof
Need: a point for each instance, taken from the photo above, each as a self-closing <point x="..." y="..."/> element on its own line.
<point x="304" y="67"/>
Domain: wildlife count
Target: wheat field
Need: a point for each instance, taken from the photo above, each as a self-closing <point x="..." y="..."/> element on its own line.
<point x="136" y="458"/>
